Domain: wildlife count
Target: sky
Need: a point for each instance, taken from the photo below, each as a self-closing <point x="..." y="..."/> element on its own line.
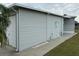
<point x="59" y="8"/>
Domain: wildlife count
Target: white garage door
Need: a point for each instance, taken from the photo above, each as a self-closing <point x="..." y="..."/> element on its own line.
<point x="32" y="28"/>
<point x="11" y="32"/>
<point x="54" y="27"/>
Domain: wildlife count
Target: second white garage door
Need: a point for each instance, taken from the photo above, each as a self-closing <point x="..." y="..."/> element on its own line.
<point x="54" y="27"/>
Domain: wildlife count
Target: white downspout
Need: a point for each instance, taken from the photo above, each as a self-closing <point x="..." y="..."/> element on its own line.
<point x="17" y="32"/>
<point x="17" y="28"/>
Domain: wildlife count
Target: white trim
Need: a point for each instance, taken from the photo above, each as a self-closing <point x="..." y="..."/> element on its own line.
<point x="68" y="31"/>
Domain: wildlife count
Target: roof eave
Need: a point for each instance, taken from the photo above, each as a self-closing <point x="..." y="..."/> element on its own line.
<point x="28" y="7"/>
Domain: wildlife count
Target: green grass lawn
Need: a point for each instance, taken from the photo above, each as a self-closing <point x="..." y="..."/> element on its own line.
<point x="67" y="48"/>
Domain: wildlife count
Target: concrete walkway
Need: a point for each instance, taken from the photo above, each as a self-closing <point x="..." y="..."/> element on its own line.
<point x="8" y="51"/>
<point x="43" y="48"/>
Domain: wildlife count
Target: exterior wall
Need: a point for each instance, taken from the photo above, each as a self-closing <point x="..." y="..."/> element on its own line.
<point x="69" y="25"/>
<point x="11" y="32"/>
<point x="32" y="28"/>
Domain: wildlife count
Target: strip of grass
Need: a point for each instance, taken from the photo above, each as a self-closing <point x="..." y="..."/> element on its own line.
<point x="67" y="48"/>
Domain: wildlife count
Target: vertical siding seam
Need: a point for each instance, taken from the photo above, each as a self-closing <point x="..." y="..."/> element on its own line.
<point x="18" y="29"/>
<point x="74" y="25"/>
<point x="62" y="25"/>
<point x="46" y="26"/>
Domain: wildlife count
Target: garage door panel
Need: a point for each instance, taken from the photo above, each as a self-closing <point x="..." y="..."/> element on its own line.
<point x="32" y="28"/>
